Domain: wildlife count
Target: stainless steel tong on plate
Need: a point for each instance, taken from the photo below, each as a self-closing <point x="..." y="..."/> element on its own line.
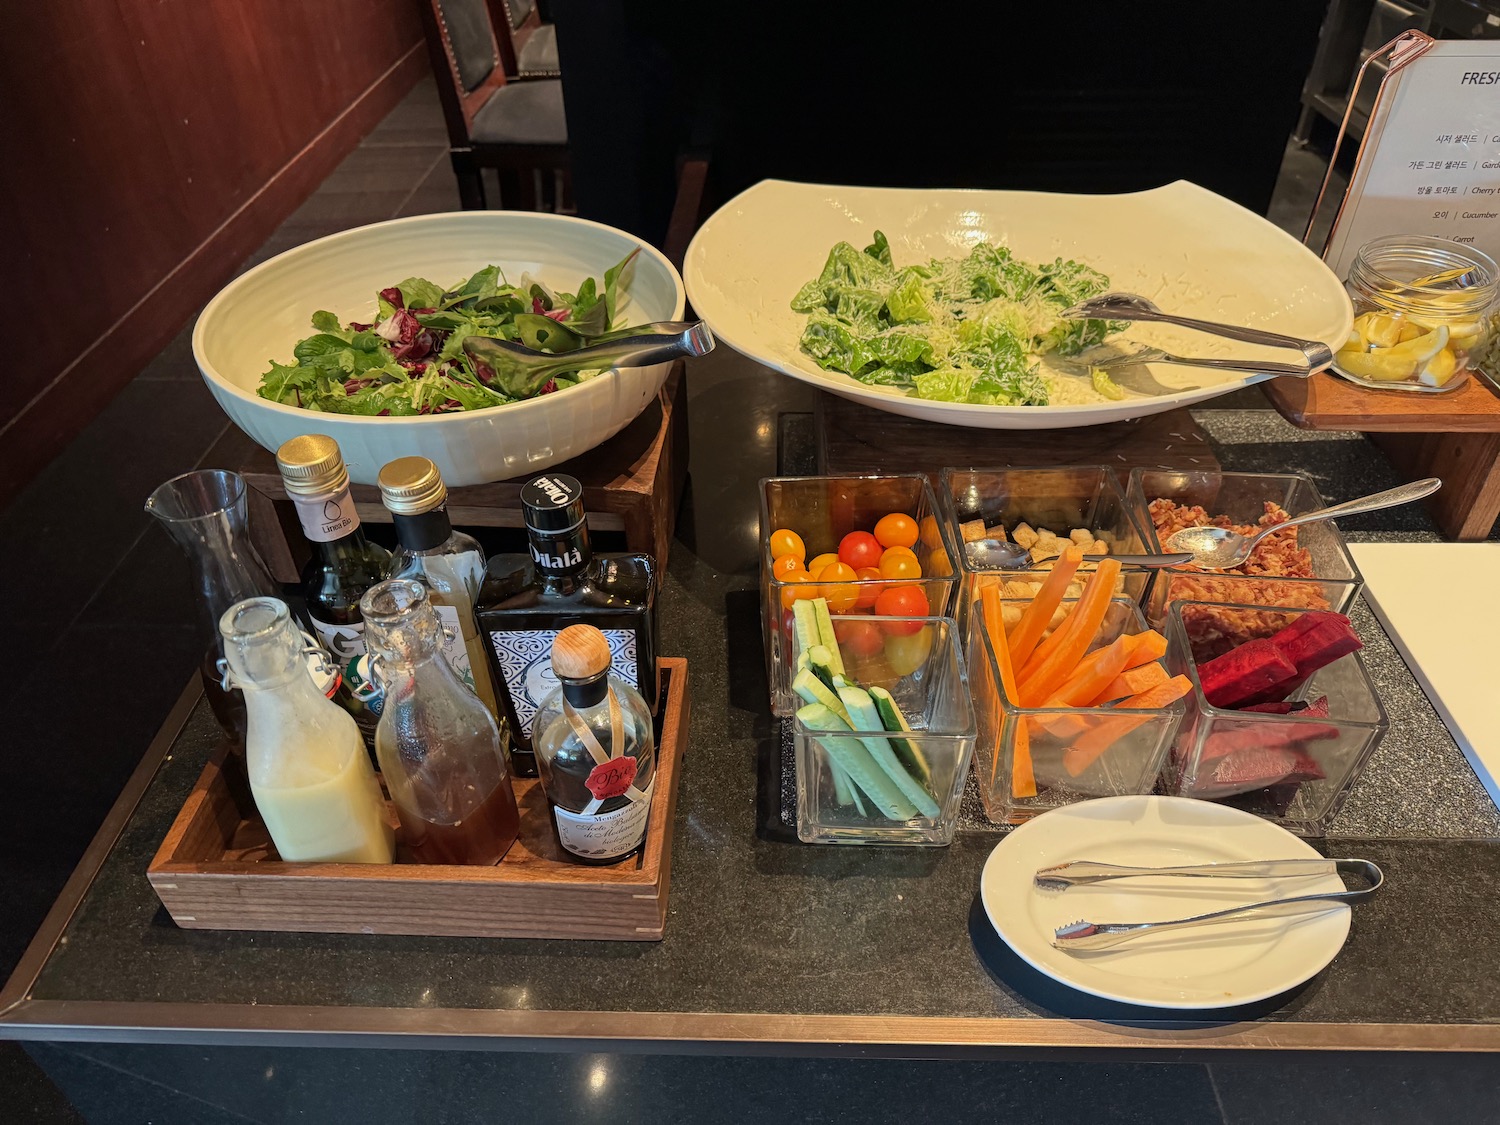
<point x="1134" y="307"/>
<point x="1085" y="935"/>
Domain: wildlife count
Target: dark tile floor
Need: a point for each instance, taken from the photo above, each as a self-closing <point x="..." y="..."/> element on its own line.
<point x="127" y="622"/>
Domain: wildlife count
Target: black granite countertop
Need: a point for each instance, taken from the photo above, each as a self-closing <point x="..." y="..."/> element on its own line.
<point x="769" y="942"/>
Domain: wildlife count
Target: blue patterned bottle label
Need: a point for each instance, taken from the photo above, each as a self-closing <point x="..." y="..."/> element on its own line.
<point x="525" y="659"/>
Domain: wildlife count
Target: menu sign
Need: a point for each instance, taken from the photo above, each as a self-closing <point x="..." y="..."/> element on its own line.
<point x="1430" y="163"/>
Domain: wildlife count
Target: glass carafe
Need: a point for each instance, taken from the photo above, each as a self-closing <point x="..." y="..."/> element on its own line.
<point x="440" y="750"/>
<point x="205" y="514"/>
<point x="309" y="773"/>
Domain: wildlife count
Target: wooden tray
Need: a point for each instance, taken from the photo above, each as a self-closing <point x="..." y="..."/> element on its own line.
<point x="216" y="869"/>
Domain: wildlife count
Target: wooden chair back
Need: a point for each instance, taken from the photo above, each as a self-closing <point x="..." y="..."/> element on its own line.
<point x="466" y="60"/>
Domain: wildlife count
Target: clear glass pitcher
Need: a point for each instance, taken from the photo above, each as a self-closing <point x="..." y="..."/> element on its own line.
<point x="205" y="513"/>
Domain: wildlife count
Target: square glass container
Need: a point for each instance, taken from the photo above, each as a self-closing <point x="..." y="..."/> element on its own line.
<point x="1243" y="497"/>
<point x="1087" y="497"/>
<point x="923" y="669"/>
<point x="822" y="510"/>
<point x="1076" y="753"/>
<point x="1293" y="770"/>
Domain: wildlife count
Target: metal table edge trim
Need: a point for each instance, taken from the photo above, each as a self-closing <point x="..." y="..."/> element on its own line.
<point x="24" y="1018"/>
<point x="18" y="988"/>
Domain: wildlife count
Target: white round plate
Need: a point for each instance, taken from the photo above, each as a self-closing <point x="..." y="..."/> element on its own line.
<point x="1220" y="966"/>
<point x="1190" y="250"/>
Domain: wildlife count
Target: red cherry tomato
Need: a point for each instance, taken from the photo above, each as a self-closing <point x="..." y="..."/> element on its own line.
<point x="859" y="638"/>
<point x="901" y="601"/>
<point x="784" y="542"/>
<point x="868" y="591"/>
<point x="859" y="549"/>
<point x="896" y="530"/>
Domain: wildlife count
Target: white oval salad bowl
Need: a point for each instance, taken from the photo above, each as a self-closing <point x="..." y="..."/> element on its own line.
<point x="262" y="314"/>
<point x="1193" y="252"/>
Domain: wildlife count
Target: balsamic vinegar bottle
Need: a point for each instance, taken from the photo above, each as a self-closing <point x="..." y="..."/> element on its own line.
<point x="527" y="600"/>
<point x="344" y="564"/>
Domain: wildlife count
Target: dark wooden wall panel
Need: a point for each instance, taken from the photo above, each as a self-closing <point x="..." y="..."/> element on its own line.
<point x="156" y="143"/>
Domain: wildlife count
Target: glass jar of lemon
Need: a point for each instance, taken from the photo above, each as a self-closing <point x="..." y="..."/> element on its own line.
<point x="1422" y="310"/>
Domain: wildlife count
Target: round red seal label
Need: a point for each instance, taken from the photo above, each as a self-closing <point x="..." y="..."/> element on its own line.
<point x="611" y="778"/>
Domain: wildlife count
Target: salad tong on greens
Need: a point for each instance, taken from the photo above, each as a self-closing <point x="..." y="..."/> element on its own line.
<point x="954" y="329"/>
<point x="411" y="359"/>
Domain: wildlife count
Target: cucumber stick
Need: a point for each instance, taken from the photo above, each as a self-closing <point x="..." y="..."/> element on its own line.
<point x="851" y="755"/>
<point x="907" y="750"/>
<point x="813" y="689"/>
<point x="820" y="661"/>
<point x="805" y="631"/>
<point x="865" y="717"/>
<point x="825" y="628"/>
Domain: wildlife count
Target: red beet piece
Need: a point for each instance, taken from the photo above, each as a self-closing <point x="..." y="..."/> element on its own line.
<point x="1247" y="674"/>
<point x="1316" y="639"/>
<point x="1258" y="768"/>
<point x="1282" y="708"/>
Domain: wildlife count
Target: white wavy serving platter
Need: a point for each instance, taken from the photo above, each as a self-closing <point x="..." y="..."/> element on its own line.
<point x="1191" y="251"/>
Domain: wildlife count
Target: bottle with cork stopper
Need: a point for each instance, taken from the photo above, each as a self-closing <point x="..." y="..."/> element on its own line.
<point x="595" y="751"/>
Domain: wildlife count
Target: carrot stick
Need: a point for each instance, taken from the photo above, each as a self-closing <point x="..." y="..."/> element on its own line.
<point x="1132" y="681"/>
<point x="1148" y="646"/>
<point x="1022" y="778"/>
<point x="1089" y="746"/>
<point x="1038" y="614"/>
<point x="1082" y="626"/>
<point x="1094" y="670"/>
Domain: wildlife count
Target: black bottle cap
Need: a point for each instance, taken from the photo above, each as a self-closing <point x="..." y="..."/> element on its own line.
<point x="552" y="503"/>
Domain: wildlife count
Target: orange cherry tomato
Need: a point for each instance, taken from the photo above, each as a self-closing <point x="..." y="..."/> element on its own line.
<point x="899" y="562"/>
<point x="896" y="530"/>
<point x="784" y="565"/>
<point x="859" y="549"/>
<point x="901" y="601"/>
<point x="826" y="559"/>
<point x="836" y="581"/>
<point x="784" y="542"/>
<point x="799" y="588"/>
<point x="868" y="591"/>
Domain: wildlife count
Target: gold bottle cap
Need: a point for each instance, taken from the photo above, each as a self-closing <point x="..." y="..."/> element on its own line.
<point x="580" y="652"/>
<point x="311" y="465"/>
<point x="410" y="486"/>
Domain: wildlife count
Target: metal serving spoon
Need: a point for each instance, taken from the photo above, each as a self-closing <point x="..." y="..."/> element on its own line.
<point x="995" y="554"/>
<point x="1218" y="548"/>
<point x="1132" y="306"/>
<point x="1142" y="355"/>
<point x="520" y="371"/>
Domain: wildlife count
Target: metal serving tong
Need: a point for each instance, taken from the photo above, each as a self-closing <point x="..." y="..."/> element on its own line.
<point x="520" y="371"/>
<point x="1084" y="935"/>
<point x="1132" y="306"/>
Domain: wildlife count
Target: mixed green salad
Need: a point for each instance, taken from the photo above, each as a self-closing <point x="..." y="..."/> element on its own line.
<point x="954" y="329"/>
<point x="410" y="360"/>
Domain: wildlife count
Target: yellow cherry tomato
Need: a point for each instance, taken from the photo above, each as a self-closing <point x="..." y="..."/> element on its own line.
<point x="896" y="530"/>
<point x="784" y="542"/>
<point x="899" y="562"/>
<point x="908" y="653"/>
<point x="827" y="559"/>
<point x="836" y="582"/>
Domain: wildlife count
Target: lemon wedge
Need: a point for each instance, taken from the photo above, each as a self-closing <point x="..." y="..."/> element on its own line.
<point x="1439" y="369"/>
<point x="1379" y="329"/>
<point x="1424" y="347"/>
<point x="1410" y="331"/>
<point x="1378" y="366"/>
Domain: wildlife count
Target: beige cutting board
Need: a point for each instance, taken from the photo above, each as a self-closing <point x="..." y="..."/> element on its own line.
<point x="1440" y="603"/>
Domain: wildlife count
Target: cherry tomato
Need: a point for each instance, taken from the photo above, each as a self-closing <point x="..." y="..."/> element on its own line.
<point x="901" y="601"/>
<point x="899" y="562"/>
<point x="799" y="587"/>
<point x="858" y="638"/>
<point x="908" y="651"/>
<point x="868" y="591"/>
<point x="931" y="536"/>
<point x="896" y="530"/>
<point x="786" y="564"/>
<point x="859" y="549"/>
<point x="784" y="542"/>
<point x="836" y="581"/>
<point x="826" y="559"/>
